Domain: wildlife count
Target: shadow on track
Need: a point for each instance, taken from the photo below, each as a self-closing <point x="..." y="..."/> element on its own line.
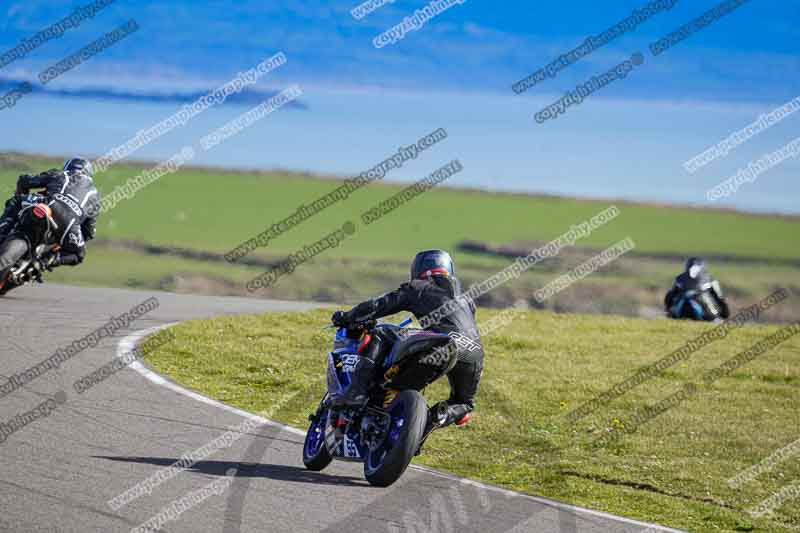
<point x="249" y="470"/>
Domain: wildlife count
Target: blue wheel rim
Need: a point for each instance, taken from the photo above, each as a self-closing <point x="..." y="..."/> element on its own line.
<point x="397" y="424"/>
<point x="315" y="438"/>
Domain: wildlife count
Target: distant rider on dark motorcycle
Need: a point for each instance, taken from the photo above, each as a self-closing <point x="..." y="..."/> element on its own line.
<point x="696" y="295"/>
<point x="433" y="284"/>
<point x="75" y="203"/>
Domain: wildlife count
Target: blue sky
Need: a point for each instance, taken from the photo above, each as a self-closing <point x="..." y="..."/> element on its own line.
<point x="627" y="141"/>
<point x="480" y="45"/>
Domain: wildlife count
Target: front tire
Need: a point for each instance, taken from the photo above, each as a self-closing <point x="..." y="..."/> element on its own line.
<point x="387" y="463"/>
<point x="315" y="454"/>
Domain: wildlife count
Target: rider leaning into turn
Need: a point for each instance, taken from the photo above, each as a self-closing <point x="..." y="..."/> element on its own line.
<point x="695" y="278"/>
<point x="433" y="284"/>
<point x="75" y="202"/>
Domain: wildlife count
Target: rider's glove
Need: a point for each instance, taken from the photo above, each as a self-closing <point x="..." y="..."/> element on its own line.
<point x="339" y="319"/>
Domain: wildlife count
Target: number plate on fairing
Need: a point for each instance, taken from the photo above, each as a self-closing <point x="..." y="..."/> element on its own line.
<point x="350" y="448"/>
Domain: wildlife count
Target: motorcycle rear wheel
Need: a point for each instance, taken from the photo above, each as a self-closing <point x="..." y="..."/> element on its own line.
<point x="11" y="251"/>
<point x="384" y="465"/>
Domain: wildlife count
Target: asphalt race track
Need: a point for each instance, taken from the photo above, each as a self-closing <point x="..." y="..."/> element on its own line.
<point x="59" y="471"/>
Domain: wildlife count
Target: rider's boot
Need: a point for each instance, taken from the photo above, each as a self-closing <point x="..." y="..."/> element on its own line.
<point x="442" y="415"/>
<point x="47" y="262"/>
<point x="51" y="261"/>
<point x="356" y="394"/>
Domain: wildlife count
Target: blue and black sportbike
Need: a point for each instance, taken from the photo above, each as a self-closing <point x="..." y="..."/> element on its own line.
<point x="388" y="430"/>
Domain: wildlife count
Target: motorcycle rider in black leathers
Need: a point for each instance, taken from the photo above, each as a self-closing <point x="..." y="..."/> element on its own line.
<point x="433" y="283"/>
<point x="75" y="203"/>
<point x="696" y="294"/>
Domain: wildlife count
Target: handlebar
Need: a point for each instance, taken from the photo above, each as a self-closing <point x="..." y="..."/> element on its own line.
<point x="370" y="324"/>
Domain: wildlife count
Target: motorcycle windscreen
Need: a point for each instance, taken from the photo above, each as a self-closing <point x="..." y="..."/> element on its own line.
<point x="341" y="363"/>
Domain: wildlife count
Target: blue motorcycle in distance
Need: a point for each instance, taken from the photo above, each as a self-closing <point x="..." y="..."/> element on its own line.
<point x="388" y="431"/>
<point x="698" y="305"/>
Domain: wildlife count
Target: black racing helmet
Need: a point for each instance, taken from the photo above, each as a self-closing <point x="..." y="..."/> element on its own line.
<point x="695" y="267"/>
<point x="432" y="263"/>
<point x="78" y="164"/>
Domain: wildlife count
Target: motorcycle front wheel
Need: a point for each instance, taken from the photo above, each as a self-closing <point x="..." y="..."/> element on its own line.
<point x="315" y="453"/>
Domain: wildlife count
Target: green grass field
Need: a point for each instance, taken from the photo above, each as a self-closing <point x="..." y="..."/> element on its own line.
<point x="176" y="211"/>
<point x="673" y="470"/>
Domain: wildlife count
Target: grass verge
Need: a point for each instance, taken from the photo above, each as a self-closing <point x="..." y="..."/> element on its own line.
<point x="216" y="210"/>
<point x="673" y="470"/>
<point x="184" y="210"/>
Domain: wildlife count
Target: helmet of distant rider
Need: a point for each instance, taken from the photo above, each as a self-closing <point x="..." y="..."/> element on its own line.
<point x="432" y="263"/>
<point x="78" y="164"/>
<point x="695" y="266"/>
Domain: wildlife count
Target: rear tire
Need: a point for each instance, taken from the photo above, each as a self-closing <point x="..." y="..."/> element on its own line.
<point x="385" y="465"/>
<point x="11" y="251"/>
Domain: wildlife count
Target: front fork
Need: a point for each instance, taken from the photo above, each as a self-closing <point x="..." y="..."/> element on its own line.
<point x="329" y="423"/>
